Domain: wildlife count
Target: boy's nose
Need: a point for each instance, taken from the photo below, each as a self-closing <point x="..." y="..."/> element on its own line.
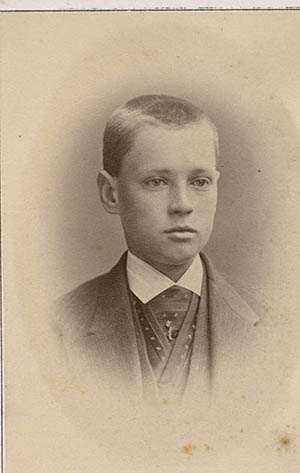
<point x="179" y="202"/>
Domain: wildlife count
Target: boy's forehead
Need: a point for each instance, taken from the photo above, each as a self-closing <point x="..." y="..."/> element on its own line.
<point x="161" y="146"/>
<point x="150" y="133"/>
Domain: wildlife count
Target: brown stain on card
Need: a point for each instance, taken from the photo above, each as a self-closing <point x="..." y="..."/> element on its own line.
<point x="284" y="443"/>
<point x="207" y="447"/>
<point x="188" y="449"/>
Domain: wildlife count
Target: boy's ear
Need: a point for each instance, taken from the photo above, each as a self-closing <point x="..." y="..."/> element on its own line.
<point x="107" y="186"/>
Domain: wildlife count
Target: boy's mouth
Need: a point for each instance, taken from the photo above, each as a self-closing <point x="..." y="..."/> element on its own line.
<point x="181" y="229"/>
<point x="181" y="233"/>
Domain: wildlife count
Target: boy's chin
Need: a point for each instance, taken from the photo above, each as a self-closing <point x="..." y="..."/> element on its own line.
<point x="179" y="259"/>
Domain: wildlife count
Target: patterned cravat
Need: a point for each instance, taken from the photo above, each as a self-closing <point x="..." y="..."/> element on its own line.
<point x="170" y="308"/>
<point x="168" y="323"/>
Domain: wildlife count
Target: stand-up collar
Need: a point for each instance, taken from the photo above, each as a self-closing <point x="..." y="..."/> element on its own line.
<point x="147" y="282"/>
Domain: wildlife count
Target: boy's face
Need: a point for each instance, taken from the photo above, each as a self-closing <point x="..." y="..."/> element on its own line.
<point x="167" y="193"/>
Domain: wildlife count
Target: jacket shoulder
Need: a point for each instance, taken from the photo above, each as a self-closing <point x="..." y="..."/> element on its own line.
<point x="224" y="291"/>
<point x="236" y="302"/>
<point x="74" y="312"/>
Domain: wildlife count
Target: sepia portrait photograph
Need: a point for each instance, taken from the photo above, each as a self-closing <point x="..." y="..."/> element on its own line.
<point x="151" y="241"/>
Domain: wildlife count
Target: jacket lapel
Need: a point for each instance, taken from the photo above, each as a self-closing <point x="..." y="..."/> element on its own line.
<point x="221" y="338"/>
<point x="110" y="340"/>
<point x="232" y="328"/>
<point x="198" y="383"/>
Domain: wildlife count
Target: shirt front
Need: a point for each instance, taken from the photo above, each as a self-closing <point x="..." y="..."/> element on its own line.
<point x="147" y="282"/>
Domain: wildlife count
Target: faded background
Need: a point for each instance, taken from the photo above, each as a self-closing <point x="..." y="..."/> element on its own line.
<point x="63" y="75"/>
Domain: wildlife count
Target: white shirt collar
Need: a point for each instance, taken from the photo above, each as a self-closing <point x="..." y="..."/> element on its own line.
<point x="147" y="282"/>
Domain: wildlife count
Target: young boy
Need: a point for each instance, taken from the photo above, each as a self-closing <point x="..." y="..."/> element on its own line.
<point x="162" y="324"/>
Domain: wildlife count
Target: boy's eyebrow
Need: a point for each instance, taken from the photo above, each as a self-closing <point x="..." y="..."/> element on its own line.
<point x="203" y="170"/>
<point x="159" y="171"/>
<point x="169" y="171"/>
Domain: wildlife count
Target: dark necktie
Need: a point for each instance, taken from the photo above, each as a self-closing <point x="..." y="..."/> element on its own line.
<point x="170" y="308"/>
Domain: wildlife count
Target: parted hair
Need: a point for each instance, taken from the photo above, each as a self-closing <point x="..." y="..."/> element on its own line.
<point x="153" y="110"/>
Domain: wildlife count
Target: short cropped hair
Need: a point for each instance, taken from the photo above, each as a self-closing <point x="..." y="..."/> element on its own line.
<point x="155" y="110"/>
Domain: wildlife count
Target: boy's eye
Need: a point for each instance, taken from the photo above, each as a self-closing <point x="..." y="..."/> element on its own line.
<point x="156" y="182"/>
<point x="201" y="182"/>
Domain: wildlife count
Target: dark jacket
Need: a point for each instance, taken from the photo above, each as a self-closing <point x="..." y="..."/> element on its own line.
<point x="96" y="332"/>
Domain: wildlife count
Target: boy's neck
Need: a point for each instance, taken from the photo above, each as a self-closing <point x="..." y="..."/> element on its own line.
<point x="173" y="272"/>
